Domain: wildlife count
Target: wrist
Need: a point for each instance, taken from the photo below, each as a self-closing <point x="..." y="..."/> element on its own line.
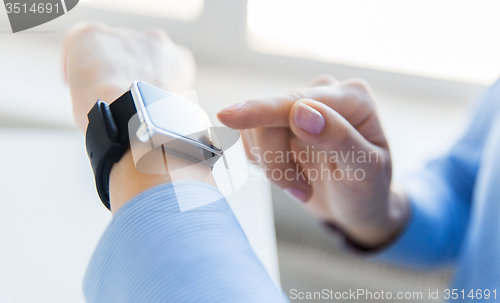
<point x="84" y="98"/>
<point x="126" y="182"/>
<point x="386" y="228"/>
<point x="396" y="218"/>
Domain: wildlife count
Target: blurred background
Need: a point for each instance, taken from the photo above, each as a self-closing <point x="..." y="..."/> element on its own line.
<point x="426" y="61"/>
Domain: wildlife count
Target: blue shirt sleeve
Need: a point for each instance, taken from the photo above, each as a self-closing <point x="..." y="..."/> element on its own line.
<point x="153" y="252"/>
<point x="441" y="196"/>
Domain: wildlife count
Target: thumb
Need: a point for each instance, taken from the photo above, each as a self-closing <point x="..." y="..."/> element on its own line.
<point x="322" y="127"/>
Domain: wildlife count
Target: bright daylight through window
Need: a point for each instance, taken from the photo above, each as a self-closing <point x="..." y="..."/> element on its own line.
<point x="443" y="39"/>
<point x="185" y="10"/>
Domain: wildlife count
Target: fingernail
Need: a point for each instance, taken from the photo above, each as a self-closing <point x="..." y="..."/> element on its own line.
<point x="309" y="119"/>
<point x="296" y="194"/>
<point x="231" y="109"/>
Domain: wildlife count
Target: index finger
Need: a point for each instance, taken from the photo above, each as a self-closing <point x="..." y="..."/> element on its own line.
<point x="351" y="99"/>
<point x="266" y="111"/>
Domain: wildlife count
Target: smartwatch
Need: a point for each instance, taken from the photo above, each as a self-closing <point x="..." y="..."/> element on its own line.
<point x="153" y="117"/>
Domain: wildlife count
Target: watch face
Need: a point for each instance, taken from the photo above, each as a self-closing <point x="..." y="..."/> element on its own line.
<point x="171" y="114"/>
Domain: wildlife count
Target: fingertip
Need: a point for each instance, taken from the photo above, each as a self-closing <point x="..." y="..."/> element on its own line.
<point x="228" y="115"/>
<point x="231" y="109"/>
<point x="268" y="111"/>
<point x="228" y="120"/>
<point x="244" y="115"/>
<point x="222" y="118"/>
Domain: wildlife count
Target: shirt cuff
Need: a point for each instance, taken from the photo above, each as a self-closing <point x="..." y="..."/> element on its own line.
<point x="426" y="240"/>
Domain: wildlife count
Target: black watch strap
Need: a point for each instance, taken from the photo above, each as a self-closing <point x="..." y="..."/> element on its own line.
<point x="107" y="139"/>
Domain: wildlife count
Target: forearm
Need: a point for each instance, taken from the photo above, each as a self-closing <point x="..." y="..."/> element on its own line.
<point x="157" y="247"/>
<point x="154" y="252"/>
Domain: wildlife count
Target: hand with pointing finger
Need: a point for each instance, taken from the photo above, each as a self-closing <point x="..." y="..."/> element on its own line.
<point x="324" y="146"/>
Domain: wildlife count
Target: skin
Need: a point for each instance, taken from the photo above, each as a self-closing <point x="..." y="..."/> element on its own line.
<point x="101" y="62"/>
<point x="370" y="211"/>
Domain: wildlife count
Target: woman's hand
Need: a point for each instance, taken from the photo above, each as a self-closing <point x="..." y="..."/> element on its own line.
<point x="102" y="62"/>
<point x="324" y="145"/>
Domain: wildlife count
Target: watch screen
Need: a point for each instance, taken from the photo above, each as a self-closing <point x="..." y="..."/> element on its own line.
<point x="175" y="114"/>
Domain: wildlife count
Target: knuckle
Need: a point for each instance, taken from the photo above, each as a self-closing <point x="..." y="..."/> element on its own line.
<point x="366" y="104"/>
<point x="325" y="80"/>
<point x="358" y="83"/>
<point x="90" y="28"/>
<point x="295" y="94"/>
<point x="362" y="92"/>
<point x="84" y="31"/>
<point x="157" y="32"/>
<point x="304" y="94"/>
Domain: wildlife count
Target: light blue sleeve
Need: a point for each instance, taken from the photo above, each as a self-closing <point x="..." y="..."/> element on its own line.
<point x="441" y="196"/>
<point x="152" y="252"/>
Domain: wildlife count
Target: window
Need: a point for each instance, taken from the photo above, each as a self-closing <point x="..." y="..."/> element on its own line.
<point x="185" y="10"/>
<point x="442" y="39"/>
